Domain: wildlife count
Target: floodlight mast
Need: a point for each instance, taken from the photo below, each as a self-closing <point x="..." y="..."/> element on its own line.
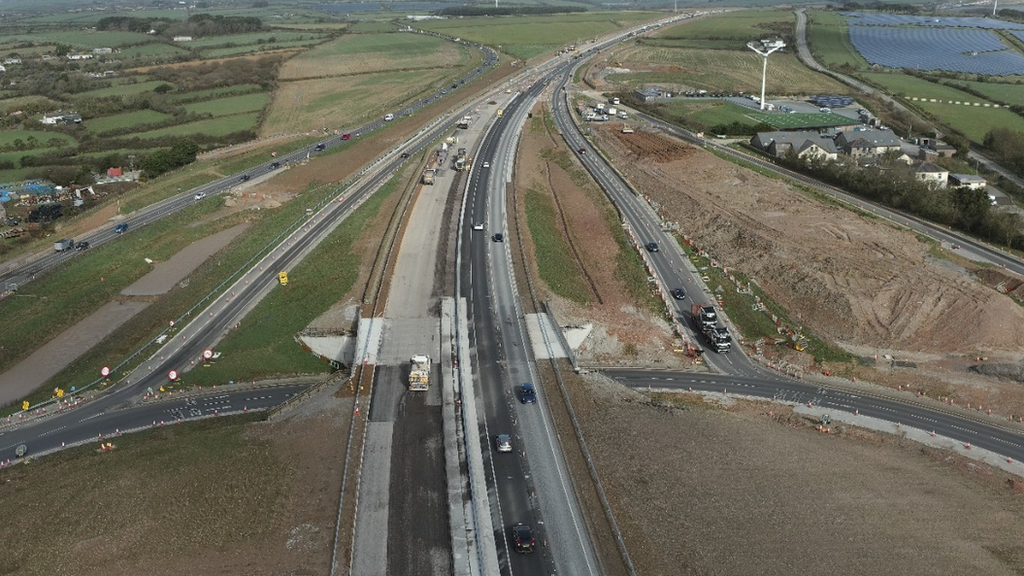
<point x="764" y="48"/>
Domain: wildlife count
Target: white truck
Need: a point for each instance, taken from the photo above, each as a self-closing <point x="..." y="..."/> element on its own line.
<point x="63" y="245"/>
<point x="419" y="373"/>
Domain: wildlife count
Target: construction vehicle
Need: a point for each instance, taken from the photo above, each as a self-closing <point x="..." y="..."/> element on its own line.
<point x="451" y="140"/>
<point x="428" y="176"/>
<point x="499" y="112"/>
<point x="63" y="245"/>
<point x="465" y="122"/>
<point x="462" y="160"/>
<point x="419" y="374"/>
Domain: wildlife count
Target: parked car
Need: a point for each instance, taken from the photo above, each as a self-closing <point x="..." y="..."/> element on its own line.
<point x="652" y="246"/>
<point x="121" y="228"/>
<point x="83" y="245"/>
<point x="679" y="293"/>
<point x="503" y="443"/>
<point x="527" y="393"/>
<point x="522" y="538"/>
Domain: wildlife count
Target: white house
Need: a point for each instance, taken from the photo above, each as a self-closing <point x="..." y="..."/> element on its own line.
<point x="931" y="174"/>
<point x="79" y="56"/>
<point x="182" y="38"/>
<point x="55" y="118"/>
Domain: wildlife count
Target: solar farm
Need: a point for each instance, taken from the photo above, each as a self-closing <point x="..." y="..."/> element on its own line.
<point x="965" y="45"/>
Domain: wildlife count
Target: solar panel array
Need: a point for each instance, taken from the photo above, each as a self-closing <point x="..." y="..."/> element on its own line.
<point x="865" y="19"/>
<point x="831" y="101"/>
<point x="951" y="49"/>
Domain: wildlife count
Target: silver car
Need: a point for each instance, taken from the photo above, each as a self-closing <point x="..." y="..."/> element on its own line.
<point x="503" y="443"/>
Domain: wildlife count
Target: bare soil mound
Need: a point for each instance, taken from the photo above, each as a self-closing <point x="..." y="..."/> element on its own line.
<point x="854" y="280"/>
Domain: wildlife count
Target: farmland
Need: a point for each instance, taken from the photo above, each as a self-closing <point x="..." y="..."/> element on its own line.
<point x="219" y="126"/>
<point x="229" y="105"/>
<point x="371" y="53"/>
<point x="718" y="70"/>
<point x="126" y="120"/>
<point x="519" y="36"/>
<point x="829" y="40"/>
<point x="736" y="27"/>
<point x="120" y="89"/>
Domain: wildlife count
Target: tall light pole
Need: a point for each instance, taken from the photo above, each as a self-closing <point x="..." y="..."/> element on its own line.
<point x="764" y="48"/>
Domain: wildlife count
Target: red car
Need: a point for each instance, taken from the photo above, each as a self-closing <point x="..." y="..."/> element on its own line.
<point x="346" y="136"/>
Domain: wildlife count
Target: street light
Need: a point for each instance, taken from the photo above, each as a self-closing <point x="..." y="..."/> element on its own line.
<point x="764" y="48"/>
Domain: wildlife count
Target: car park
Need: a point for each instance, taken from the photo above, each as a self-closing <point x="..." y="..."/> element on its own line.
<point x="83" y="245"/>
<point x="527" y="393"/>
<point x="121" y="228"/>
<point x="522" y="539"/>
<point x="652" y="246"/>
<point x="499" y="237"/>
<point x="679" y="293"/>
<point x="503" y="443"/>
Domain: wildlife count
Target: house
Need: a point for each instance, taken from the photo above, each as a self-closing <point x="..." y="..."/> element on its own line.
<point x="867" y="142"/>
<point x="182" y="38"/>
<point x="2" y="69"/>
<point x="9" y="61"/>
<point x="102" y="50"/>
<point x="937" y="147"/>
<point x="55" y="118"/>
<point x="806" y="145"/>
<point x="79" y="56"/>
<point x="931" y="174"/>
<point x="114" y="172"/>
<point x="966" y="181"/>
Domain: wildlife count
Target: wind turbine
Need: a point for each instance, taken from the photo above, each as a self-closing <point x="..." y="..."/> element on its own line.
<point x="764" y="48"/>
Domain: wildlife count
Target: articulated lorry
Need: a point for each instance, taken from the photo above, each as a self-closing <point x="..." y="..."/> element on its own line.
<point x="705" y="320"/>
<point x="419" y="374"/>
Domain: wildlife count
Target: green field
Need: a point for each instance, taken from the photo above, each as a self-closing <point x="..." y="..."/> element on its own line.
<point x="708" y="113"/>
<point x="120" y="90"/>
<point x="264" y="37"/>
<point x="520" y="36"/>
<point x="155" y="52"/>
<point x="184" y="97"/>
<point x="255" y="48"/>
<point x="82" y="39"/>
<point x="829" y="41"/>
<point x="35" y="138"/>
<point x="219" y="126"/>
<point x="555" y="263"/>
<point x="125" y="120"/>
<point x="720" y="71"/>
<point x="230" y="105"/>
<point x="1006" y="93"/>
<point x="738" y="27"/>
<point x="912" y="87"/>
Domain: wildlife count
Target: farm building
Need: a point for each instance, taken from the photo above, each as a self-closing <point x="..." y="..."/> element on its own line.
<point x="55" y="118"/>
<point x="806" y="145"/>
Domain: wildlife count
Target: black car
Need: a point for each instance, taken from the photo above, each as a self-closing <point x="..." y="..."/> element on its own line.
<point x="405" y="154"/>
<point x="275" y="165"/>
<point x="499" y="237"/>
<point x="320" y="147"/>
<point x="243" y="178"/>
<point x="522" y="538"/>
<point x="583" y="151"/>
<point x="679" y="293"/>
<point x="652" y="246"/>
<point x="527" y="394"/>
<point x="83" y="245"/>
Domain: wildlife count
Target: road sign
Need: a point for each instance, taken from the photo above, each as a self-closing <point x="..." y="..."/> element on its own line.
<point x="105" y="371"/>
<point x="172" y="375"/>
<point x="207" y="354"/>
<point x="283" y="278"/>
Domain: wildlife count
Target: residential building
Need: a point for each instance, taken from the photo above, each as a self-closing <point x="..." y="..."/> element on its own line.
<point x="867" y="142"/>
<point x="806" y="145"/>
<point x="931" y="174"/>
<point x="182" y="38"/>
<point x="971" y="181"/>
<point x="55" y="118"/>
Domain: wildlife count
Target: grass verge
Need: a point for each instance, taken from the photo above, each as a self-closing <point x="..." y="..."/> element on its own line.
<point x="554" y="261"/>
